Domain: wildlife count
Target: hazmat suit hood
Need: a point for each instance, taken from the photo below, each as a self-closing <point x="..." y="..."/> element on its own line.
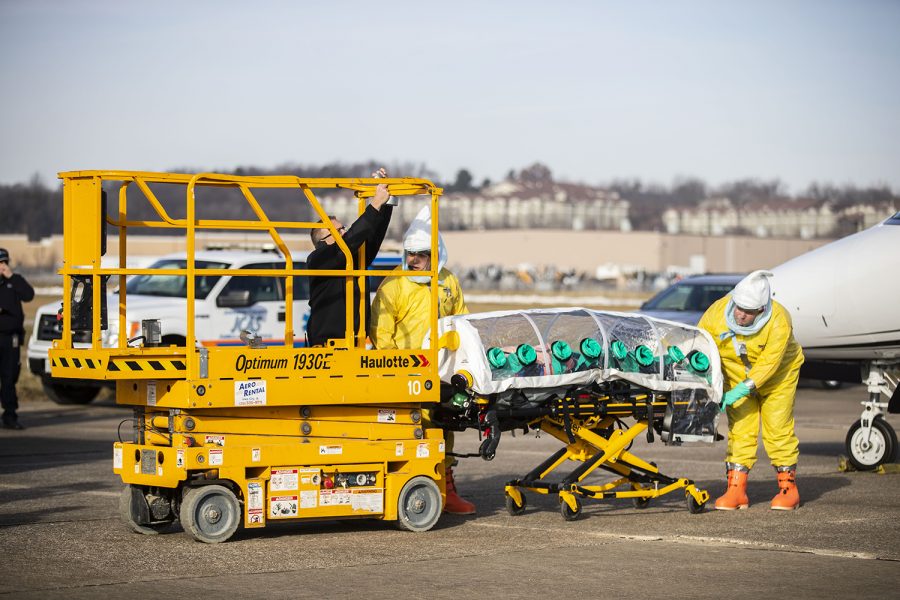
<point x="418" y="238"/>
<point x="753" y="292"/>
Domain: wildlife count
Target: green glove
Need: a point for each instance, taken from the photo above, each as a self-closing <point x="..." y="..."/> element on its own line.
<point x="735" y="394"/>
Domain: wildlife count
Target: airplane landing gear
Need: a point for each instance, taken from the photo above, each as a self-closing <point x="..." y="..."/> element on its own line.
<point x="871" y="441"/>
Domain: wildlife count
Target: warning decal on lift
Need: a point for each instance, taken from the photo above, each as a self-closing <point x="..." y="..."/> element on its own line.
<point x="334" y="497"/>
<point x="215" y="456"/>
<point x="330" y="450"/>
<point x="283" y="506"/>
<point x="308" y="498"/>
<point x="283" y="480"/>
<point x="422" y="450"/>
<point x="117" y="457"/>
<point x="387" y="415"/>
<point x="370" y="501"/>
<point x="398" y="449"/>
<point x="254" y="502"/>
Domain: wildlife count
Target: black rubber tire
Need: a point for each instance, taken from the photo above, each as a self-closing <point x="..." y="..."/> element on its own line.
<point x="211" y="513"/>
<point x="694" y="507"/>
<point x="514" y="509"/>
<point x="419" y="504"/>
<point x="566" y="511"/>
<point x="129" y="519"/>
<point x="883" y="450"/>
<point x="832" y="384"/>
<point x="66" y="393"/>
<point x="640" y="503"/>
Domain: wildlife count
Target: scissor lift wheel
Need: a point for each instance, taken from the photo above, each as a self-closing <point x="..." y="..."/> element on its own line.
<point x="210" y="513"/>
<point x="419" y="505"/>
<point x="129" y="501"/>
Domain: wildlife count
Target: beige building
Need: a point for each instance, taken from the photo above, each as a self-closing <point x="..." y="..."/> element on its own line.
<point x="583" y="251"/>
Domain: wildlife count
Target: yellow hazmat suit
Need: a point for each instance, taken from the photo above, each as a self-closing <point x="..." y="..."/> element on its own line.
<point x="402" y="309"/>
<point x="773" y="359"/>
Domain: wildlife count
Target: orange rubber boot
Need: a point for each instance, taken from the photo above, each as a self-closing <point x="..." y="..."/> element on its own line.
<point x="735" y="497"/>
<point x="788" y="496"/>
<point x="456" y="505"/>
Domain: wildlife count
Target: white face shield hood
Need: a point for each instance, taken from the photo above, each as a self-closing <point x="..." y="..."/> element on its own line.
<point x="418" y="239"/>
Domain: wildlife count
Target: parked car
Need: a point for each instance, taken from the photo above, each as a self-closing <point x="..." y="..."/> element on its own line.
<point x="685" y="302"/>
<point x="225" y="306"/>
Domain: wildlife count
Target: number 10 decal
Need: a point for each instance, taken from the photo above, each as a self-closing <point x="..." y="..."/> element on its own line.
<point x="415" y="387"/>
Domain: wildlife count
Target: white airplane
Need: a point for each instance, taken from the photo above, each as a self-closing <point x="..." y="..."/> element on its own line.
<point x="841" y="299"/>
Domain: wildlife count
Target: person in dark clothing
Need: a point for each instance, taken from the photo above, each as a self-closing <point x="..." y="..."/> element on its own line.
<point x="327" y="295"/>
<point x="14" y="290"/>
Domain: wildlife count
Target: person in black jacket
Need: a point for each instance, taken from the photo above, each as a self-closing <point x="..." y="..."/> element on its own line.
<point x="327" y="294"/>
<point x="14" y="290"/>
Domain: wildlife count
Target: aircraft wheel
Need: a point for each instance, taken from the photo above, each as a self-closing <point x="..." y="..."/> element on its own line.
<point x="132" y="502"/>
<point x="210" y="513"/>
<point x="419" y="505"/>
<point x="514" y="509"/>
<point x="566" y="510"/>
<point x="880" y="448"/>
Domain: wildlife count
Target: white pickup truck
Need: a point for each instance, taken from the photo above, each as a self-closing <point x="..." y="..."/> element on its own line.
<point x="225" y="306"/>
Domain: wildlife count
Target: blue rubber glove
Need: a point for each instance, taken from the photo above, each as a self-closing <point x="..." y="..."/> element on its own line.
<point x="735" y="394"/>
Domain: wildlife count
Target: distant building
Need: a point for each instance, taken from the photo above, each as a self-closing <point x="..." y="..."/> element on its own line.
<point x="799" y="218"/>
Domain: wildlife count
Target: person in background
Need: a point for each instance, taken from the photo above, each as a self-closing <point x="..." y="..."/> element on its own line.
<point x="14" y="290"/>
<point x="327" y="295"/>
<point x="401" y="318"/>
<point x="761" y="365"/>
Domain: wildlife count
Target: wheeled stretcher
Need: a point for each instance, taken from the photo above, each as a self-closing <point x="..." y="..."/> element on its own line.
<point x="578" y="375"/>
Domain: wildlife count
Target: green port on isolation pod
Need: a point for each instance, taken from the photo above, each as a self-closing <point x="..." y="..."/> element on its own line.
<point x="526" y="354"/>
<point x="698" y="361"/>
<point x="618" y="350"/>
<point x="644" y="356"/>
<point x="496" y="358"/>
<point x="561" y="350"/>
<point x="590" y="348"/>
<point x="674" y="355"/>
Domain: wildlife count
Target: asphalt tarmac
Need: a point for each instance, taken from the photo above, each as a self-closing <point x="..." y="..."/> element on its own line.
<point x="60" y="535"/>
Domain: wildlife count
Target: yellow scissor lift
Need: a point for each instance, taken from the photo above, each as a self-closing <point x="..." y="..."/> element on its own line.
<point x="231" y="435"/>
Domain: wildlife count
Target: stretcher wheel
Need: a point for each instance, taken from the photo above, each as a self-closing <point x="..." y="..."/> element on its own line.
<point x="128" y="511"/>
<point x="693" y="506"/>
<point x="566" y="510"/>
<point x="640" y="503"/>
<point x="210" y="513"/>
<point x="513" y="508"/>
<point x="419" y="504"/>
<point x="880" y="448"/>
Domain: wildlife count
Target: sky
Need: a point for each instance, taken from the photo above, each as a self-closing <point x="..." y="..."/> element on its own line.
<point x="801" y="91"/>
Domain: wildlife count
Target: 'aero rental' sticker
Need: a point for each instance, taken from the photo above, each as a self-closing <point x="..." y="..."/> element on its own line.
<point x="250" y="393"/>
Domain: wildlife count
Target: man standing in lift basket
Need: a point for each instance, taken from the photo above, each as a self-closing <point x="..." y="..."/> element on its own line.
<point x="327" y="295"/>
<point x="14" y="290"/>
